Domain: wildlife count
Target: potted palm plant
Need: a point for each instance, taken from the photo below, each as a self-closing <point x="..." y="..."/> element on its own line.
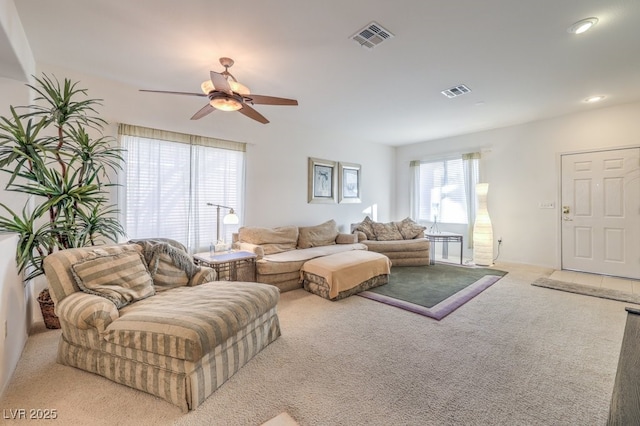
<point x="52" y="154"/>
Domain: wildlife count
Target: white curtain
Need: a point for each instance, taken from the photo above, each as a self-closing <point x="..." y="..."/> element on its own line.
<point x="471" y="164"/>
<point x="414" y="188"/>
<point x="451" y="179"/>
<point x="169" y="178"/>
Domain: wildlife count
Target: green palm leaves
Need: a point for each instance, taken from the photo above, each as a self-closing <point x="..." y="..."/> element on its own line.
<point x="55" y="152"/>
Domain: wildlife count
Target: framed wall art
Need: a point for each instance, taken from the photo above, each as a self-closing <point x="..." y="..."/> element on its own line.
<point x="349" y="182"/>
<point x="322" y="181"/>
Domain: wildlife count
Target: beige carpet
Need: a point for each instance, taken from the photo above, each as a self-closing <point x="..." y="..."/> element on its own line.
<point x="514" y="355"/>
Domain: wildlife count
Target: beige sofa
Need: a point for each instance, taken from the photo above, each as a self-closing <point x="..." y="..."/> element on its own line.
<point x="145" y="316"/>
<point x="402" y="242"/>
<point x="282" y="251"/>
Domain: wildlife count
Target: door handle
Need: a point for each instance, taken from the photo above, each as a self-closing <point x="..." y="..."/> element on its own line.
<point x="567" y="219"/>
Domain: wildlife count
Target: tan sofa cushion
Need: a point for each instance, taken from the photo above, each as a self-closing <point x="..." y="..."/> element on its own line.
<point x="366" y="227"/>
<point x="123" y="278"/>
<point x="414" y="245"/>
<point x="387" y="231"/>
<point x="410" y="229"/>
<point x="272" y="240"/>
<point x="189" y="322"/>
<point x="317" y="236"/>
<point x="346" y="239"/>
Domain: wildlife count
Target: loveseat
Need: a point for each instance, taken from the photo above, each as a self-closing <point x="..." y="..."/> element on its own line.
<point x="282" y="251"/>
<point x="145" y="316"/>
<point x="402" y="242"/>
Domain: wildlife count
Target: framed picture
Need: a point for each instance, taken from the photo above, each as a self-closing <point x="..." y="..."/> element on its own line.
<point x="322" y="181"/>
<point x="349" y="182"/>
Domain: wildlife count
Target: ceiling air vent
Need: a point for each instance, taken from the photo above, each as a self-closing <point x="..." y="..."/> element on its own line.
<point x="452" y="92"/>
<point x="372" y="35"/>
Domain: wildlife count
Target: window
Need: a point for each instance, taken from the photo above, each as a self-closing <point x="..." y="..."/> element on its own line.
<point x="444" y="189"/>
<point x="169" y="178"/>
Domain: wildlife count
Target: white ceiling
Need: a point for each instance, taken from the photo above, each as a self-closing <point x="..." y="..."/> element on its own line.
<point x="516" y="56"/>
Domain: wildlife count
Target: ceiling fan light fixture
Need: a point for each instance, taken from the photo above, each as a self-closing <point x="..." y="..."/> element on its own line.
<point x="582" y="25"/>
<point x="226" y="94"/>
<point x="238" y="87"/>
<point x="207" y="87"/>
<point x="224" y="102"/>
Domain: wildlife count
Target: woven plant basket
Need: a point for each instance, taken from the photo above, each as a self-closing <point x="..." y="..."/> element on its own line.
<point x="46" y="306"/>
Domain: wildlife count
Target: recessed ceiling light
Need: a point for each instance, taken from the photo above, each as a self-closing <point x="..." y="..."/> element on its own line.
<point x="582" y="26"/>
<point x="592" y="99"/>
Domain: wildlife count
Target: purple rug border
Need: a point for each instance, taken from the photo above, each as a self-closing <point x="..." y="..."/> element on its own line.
<point x="443" y="308"/>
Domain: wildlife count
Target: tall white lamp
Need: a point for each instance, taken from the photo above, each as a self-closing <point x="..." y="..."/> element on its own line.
<point x="229" y="219"/>
<point x="482" y="229"/>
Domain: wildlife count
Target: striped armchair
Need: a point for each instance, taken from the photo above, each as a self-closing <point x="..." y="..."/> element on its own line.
<point x="177" y="342"/>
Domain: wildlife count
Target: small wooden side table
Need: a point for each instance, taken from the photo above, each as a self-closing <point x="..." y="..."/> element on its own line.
<point x="229" y="265"/>
<point x="446" y="238"/>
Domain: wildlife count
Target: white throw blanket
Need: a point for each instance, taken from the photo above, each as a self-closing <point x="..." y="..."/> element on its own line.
<point x="298" y="255"/>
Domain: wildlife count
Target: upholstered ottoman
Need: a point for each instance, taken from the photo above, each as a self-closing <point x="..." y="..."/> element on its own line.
<point x="340" y="275"/>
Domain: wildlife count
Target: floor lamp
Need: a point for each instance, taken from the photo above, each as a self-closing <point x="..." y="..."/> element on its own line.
<point x="482" y="229"/>
<point x="229" y="219"/>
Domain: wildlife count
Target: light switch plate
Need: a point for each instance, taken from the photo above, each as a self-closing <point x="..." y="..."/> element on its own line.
<point x="547" y="205"/>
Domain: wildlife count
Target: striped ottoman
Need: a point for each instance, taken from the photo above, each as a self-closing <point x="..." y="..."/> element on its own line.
<point x="340" y="275"/>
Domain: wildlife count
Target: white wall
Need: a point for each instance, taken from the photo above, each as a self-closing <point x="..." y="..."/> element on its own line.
<point x="521" y="164"/>
<point x="14" y="319"/>
<point x="15" y="314"/>
<point x="277" y="180"/>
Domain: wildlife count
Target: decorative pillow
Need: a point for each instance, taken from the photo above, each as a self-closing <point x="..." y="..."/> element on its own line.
<point x="366" y="227"/>
<point x="272" y="240"/>
<point x="122" y="278"/>
<point x="387" y="231"/>
<point x="409" y="228"/>
<point x="316" y="236"/>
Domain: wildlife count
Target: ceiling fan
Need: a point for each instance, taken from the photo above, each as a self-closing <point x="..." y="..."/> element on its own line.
<point x="227" y="94"/>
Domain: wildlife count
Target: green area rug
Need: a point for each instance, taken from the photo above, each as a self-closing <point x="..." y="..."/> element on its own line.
<point x="435" y="290"/>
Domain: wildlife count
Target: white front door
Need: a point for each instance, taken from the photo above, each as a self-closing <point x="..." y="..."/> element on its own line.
<point x="601" y="212"/>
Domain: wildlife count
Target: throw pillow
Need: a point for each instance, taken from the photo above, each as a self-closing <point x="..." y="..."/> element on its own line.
<point x="317" y="236"/>
<point x="122" y="278"/>
<point x="409" y="228"/>
<point x="272" y="240"/>
<point x="366" y="227"/>
<point x="387" y="232"/>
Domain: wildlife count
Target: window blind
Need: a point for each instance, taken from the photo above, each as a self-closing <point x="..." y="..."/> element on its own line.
<point x="443" y="197"/>
<point x="168" y="182"/>
<point x="442" y="190"/>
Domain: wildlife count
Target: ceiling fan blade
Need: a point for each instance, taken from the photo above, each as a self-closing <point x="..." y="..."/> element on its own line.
<point x="174" y="93"/>
<point x="207" y="109"/>
<point x="269" y="100"/>
<point x="220" y="83"/>
<point x="252" y="113"/>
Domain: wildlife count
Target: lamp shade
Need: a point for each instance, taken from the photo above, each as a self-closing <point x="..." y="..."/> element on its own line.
<point x="231" y="218"/>
<point x="208" y="87"/>
<point x="482" y="229"/>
